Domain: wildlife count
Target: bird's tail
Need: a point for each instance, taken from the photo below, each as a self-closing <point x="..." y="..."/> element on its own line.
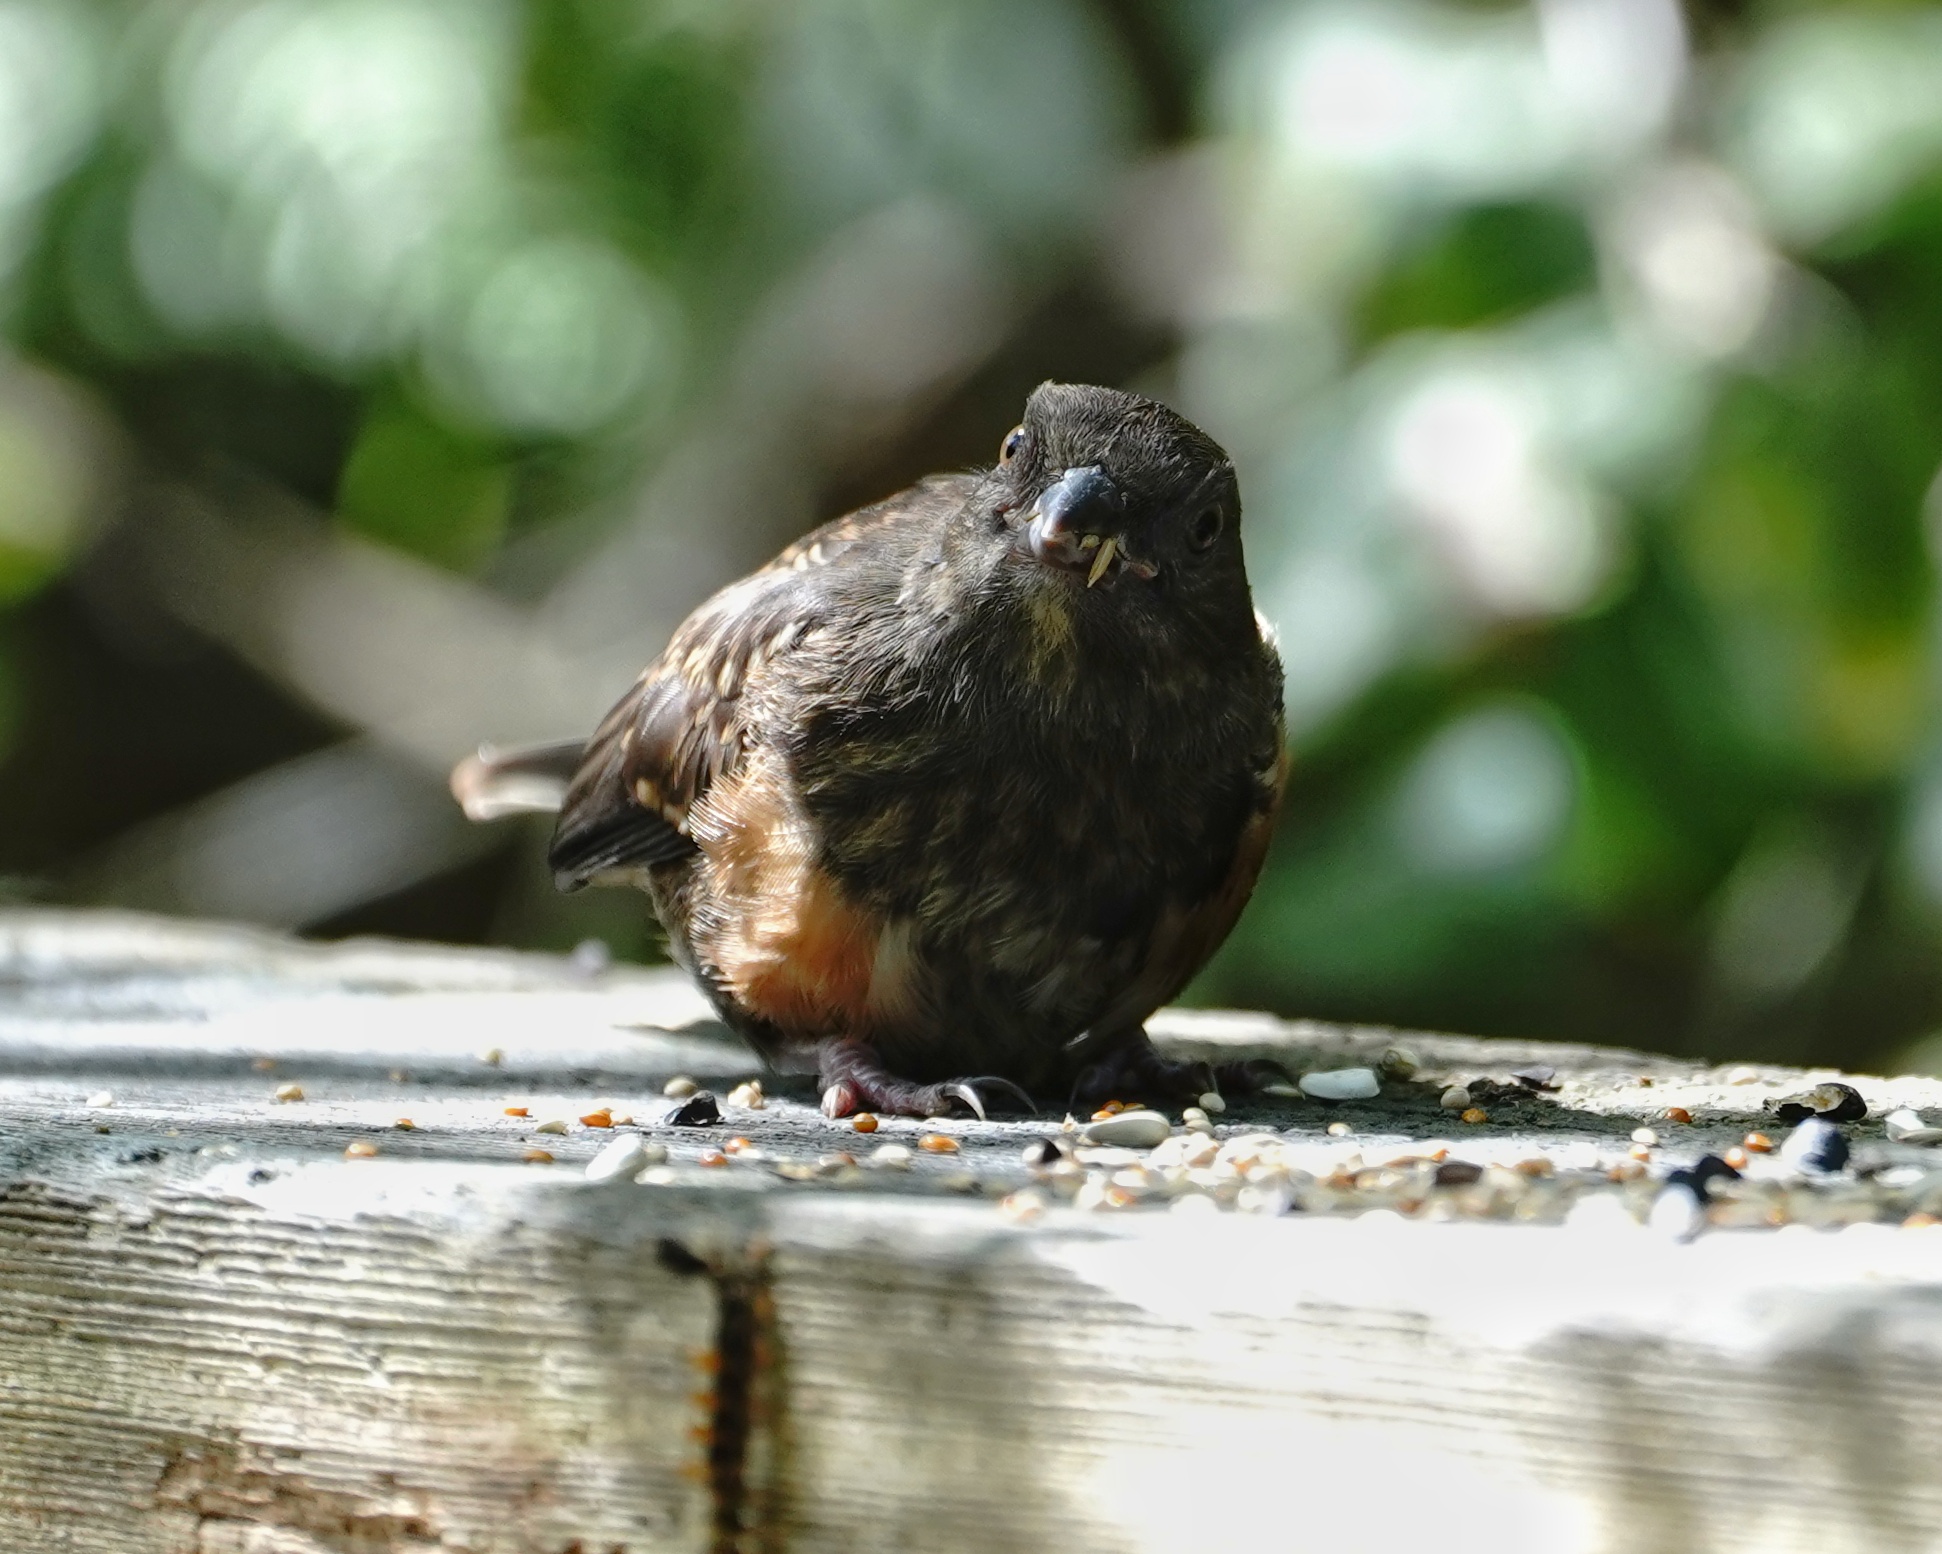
<point x="531" y="779"/>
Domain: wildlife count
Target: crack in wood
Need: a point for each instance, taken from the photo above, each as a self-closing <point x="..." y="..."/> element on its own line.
<point x="728" y="1445"/>
<point x="743" y="1413"/>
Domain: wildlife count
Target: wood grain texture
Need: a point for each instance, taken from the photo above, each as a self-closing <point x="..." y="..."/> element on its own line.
<point x="1346" y="1385"/>
<point x="218" y="1336"/>
<point x="342" y="1363"/>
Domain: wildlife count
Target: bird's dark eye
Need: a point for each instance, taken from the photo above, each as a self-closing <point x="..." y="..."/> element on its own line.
<point x="1205" y="529"/>
<point x="1010" y="448"/>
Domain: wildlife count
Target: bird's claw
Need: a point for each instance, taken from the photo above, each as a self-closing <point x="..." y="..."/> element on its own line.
<point x="855" y="1080"/>
<point x="839" y="1099"/>
<point x="965" y="1090"/>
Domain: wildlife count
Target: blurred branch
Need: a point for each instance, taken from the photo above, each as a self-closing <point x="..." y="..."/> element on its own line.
<point x="291" y="846"/>
<point x="426" y="663"/>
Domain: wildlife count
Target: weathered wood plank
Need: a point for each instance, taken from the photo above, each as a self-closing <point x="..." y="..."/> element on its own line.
<point x="219" y="1336"/>
<point x="357" y="1361"/>
<point x="1348" y="1385"/>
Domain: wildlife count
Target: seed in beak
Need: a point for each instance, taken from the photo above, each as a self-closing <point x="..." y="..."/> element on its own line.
<point x="1103" y="560"/>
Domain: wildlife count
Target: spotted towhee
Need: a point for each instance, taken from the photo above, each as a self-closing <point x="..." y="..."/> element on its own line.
<point x="959" y="788"/>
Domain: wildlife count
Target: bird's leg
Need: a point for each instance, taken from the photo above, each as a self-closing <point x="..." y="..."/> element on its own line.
<point x="1131" y="1068"/>
<point x="853" y="1079"/>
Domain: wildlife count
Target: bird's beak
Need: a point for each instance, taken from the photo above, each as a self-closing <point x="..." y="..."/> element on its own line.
<point x="1079" y="524"/>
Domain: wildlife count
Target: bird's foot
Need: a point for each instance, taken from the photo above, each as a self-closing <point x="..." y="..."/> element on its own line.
<point x="853" y="1079"/>
<point x="1134" y="1070"/>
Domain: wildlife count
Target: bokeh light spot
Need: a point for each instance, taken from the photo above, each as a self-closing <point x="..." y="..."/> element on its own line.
<point x="54" y="463"/>
<point x="563" y="334"/>
<point x="1491" y="791"/>
<point x="49" y="97"/>
<point x="1522" y="535"/>
<point x="1838" y="113"/>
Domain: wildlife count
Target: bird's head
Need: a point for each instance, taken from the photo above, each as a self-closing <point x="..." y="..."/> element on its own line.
<point x="1113" y="503"/>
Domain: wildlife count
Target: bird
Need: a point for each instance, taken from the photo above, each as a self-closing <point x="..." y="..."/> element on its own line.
<point x="954" y="793"/>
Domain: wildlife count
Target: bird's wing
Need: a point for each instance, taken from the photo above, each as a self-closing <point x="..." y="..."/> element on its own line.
<point x="680" y="729"/>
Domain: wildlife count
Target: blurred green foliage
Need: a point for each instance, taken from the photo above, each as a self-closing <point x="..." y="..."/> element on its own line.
<point x="425" y="487"/>
<point x="1582" y="360"/>
<point x="1480" y="266"/>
